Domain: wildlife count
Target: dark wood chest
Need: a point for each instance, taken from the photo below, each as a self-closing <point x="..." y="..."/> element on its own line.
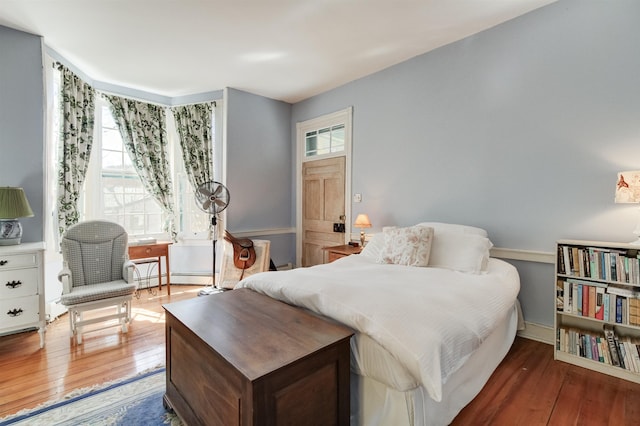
<point x="241" y="358"/>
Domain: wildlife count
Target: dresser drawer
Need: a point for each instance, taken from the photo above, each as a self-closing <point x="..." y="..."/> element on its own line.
<point x="18" y="283"/>
<point x="139" y="252"/>
<point x="19" y="311"/>
<point x="10" y="261"/>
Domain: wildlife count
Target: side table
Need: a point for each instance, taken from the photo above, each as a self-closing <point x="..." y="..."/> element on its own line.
<point x="155" y="250"/>
<point x="336" y="252"/>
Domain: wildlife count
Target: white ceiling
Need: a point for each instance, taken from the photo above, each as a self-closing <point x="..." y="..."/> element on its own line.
<point x="283" y="49"/>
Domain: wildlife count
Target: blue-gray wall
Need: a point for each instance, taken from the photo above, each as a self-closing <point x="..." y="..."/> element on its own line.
<point x="258" y="169"/>
<point x="22" y="123"/>
<point x="520" y="129"/>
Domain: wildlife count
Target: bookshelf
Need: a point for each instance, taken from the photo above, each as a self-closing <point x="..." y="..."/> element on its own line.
<point x="597" y="306"/>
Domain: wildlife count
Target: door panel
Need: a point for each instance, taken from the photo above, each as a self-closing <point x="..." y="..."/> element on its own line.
<point x="323" y="204"/>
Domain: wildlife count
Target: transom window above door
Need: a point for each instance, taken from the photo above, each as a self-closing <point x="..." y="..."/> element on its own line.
<point x="327" y="140"/>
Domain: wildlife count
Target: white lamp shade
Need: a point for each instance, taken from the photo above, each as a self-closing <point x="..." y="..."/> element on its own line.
<point x="362" y="221"/>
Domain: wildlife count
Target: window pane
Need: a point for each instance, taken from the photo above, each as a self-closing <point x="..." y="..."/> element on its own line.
<point x="111" y="139"/>
<point x="134" y="203"/>
<point x="337" y="138"/>
<point x="111" y="160"/>
<point x="324" y="141"/>
<point x="311" y="144"/>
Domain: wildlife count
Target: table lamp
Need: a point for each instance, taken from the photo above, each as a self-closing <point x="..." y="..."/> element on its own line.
<point x="628" y="192"/>
<point x="362" y="221"/>
<point x="13" y="204"/>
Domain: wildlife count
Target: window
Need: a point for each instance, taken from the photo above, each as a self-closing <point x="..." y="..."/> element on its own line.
<point x="327" y="140"/>
<point x="112" y="189"/>
<point x="123" y="197"/>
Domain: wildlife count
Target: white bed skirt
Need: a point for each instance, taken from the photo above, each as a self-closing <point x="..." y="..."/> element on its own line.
<point x="373" y="403"/>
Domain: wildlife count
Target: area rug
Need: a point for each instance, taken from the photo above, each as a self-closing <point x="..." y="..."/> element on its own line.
<point x="133" y="401"/>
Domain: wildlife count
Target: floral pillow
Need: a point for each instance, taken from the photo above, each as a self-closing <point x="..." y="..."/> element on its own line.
<point x="407" y="246"/>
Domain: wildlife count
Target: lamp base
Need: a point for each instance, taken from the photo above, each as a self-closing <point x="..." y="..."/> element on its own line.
<point x="10" y="232"/>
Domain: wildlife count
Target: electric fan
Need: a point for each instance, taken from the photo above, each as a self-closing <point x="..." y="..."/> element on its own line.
<point x="212" y="198"/>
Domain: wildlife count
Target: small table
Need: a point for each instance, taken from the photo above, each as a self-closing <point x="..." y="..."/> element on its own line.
<point x="336" y="252"/>
<point x="242" y="358"/>
<point x="157" y="250"/>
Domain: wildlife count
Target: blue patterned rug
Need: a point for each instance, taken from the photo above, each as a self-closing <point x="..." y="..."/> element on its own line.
<point x="134" y="401"/>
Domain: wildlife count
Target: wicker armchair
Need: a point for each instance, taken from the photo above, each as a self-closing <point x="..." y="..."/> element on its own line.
<point x="96" y="274"/>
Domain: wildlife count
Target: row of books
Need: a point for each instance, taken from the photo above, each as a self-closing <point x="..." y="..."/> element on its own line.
<point x="600" y="263"/>
<point x="598" y="300"/>
<point x="606" y="348"/>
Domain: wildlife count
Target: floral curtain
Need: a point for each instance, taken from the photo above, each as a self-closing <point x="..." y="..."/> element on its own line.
<point x="143" y="130"/>
<point x="77" y="106"/>
<point x="194" y="127"/>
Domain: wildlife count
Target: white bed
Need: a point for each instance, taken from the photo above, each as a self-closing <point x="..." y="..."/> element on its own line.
<point x="427" y="337"/>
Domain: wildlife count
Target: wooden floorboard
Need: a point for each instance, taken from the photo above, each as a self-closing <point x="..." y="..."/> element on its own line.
<point x="30" y="376"/>
<point x="528" y="388"/>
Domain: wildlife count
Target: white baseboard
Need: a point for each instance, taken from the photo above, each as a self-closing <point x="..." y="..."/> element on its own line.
<point x="541" y="333"/>
<point x="190" y="279"/>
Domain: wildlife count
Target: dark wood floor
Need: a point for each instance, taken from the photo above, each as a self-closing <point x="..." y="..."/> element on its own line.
<point x="528" y="388"/>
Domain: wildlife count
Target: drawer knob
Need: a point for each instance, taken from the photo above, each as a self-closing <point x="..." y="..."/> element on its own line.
<point x="15" y="312"/>
<point x="13" y="284"/>
<point x="3" y="262"/>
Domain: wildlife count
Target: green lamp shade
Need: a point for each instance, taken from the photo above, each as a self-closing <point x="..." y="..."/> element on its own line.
<point x="13" y="204"/>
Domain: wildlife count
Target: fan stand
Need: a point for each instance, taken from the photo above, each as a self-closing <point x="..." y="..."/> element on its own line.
<point x="213" y="289"/>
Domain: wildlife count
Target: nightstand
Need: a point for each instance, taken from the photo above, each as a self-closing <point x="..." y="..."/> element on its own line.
<point x="22" y="303"/>
<point x="336" y="252"/>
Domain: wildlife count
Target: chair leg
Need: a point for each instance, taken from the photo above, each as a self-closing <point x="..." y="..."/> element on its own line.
<point x="124" y="321"/>
<point x="72" y="324"/>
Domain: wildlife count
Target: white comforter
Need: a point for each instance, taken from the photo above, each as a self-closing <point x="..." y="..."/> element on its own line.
<point x="430" y="319"/>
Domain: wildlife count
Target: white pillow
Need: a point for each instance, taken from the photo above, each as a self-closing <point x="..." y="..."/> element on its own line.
<point x="460" y="251"/>
<point x="407" y="246"/>
<point x="374" y="246"/>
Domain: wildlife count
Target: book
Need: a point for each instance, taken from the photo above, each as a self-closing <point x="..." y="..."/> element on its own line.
<point x="580" y="300"/>
<point x="575" y="302"/>
<point x="575" y="262"/>
<point x="560" y="295"/>
<point x="595" y="355"/>
<point x="592" y="302"/>
<point x="634" y="311"/>
<point x="585" y="300"/>
<point x="599" y="303"/>
<point x="611" y="343"/>
<point x="624" y="362"/>
<point x="566" y="260"/>
<point x="561" y="266"/>
<point x="619" y="309"/>
<point x="619" y="351"/>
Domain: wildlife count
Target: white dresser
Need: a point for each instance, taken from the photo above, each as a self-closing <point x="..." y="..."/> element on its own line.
<point x="22" y="301"/>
